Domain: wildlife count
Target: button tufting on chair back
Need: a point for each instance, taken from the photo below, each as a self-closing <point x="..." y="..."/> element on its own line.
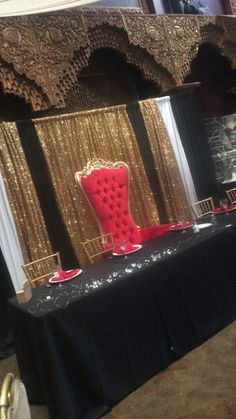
<point x="108" y="191"/>
<point x="106" y="186"/>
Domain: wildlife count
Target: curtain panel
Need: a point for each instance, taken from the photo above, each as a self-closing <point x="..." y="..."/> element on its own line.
<point x="22" y="196"/>
<point x="69" y="142"/>
<point x="172" y="192"/>
<point x="141" y="134"/>
<point x="39" y="170"/>
<point x="164" y="106"/>
<point x="9" y="242"/>
<point x="186" y="109"/>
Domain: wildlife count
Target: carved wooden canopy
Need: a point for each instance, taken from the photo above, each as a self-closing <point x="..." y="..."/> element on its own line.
<point x="42" y="55"/>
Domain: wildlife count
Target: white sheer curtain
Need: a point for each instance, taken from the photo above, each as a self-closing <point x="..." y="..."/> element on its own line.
<point x="164" y="106"/>
<point x="9" y="241"/>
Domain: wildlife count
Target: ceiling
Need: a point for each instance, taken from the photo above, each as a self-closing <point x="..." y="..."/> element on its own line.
<point x="27" y="7"/>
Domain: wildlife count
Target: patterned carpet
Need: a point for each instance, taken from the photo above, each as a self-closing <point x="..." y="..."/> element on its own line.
<point x="218" y="411"/>
<point x="201" y="385"/>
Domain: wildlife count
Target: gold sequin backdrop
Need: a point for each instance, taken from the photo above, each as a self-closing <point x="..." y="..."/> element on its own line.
<point x="69" y="142"/>
<point x="22" y="197"/>
<point x="173" y="194"/>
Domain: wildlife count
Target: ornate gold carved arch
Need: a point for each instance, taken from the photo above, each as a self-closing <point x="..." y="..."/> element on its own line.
<point x="162" y="47"/>
<point x="106" y="36"/>
<point x="46" y="52"/>
<point x="221" y="37"/>
<point x="217" y="31"/>
<point x="18" y="85"/>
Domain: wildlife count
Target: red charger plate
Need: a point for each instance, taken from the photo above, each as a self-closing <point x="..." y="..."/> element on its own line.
<point x="181" y="226"/>
<point x="56" y="278"/>
<point x="134" y="249"/>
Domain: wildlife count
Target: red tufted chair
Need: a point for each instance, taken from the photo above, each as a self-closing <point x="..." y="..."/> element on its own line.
<point x="106" y="186"/>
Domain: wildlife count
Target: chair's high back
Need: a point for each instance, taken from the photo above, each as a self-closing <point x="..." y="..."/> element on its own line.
<point x="39" y="271"/>
<point x="13" y="399"/>
<point x="205" y="206"/>
<point x="231" y="194"/>
<point x="98" y="246"/>
<point x="106" y="186"/>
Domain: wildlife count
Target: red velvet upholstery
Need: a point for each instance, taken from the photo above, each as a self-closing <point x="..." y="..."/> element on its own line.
<point x="107" y="191"/>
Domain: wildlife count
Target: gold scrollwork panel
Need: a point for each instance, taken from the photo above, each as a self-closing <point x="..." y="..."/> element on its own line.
<point x="48" y="51"/>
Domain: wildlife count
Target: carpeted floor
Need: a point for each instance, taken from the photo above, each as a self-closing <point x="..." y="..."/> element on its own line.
<point x="201" y="385"/>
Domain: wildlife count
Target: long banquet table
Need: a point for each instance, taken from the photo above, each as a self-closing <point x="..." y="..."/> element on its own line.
<point x="84" y="346"/>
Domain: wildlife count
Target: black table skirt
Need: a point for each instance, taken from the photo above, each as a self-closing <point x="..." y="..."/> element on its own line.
<point x="6" y="291"/>
<point x="80" y="355"/>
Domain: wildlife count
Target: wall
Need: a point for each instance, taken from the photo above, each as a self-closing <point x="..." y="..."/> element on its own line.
<point x="116" y="3"/>
<point x="218" y="79"/>
<point x="216" y="6"/>
<point x="160" y="7"/>
<point x="13" y="108"/>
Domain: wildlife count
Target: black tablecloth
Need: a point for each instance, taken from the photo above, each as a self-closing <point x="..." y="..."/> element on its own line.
<point x="6" y="291"/>
<point x="84" y="346"/>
